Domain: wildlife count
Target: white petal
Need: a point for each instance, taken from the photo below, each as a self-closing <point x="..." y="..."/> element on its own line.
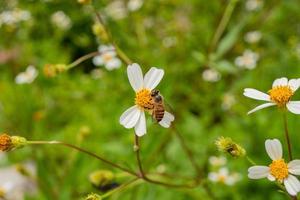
<point x="140" y="127"/>
<point x="261" y="107"/>
<point x="166" y="120"/>
<point x="280" y="82"/>
<point x="294" y="107"/>
<point x="153" y="77"/>
<point x="274" y="149"/>
<point x="135" y="76"/>
<point x="258" y="172"/>
<point x="224" y="171"/>
<point x="271" y="177"/>
<point x="294" y="84"/>
<point x="213" y="176"/>
<point x="113" y="64"/>
<point x="292" y="185"/>
<point x="97" y="61"/>
<point x="255" y="94"/>
<point x="130" y="117"/>
<point x="294" y="167"/>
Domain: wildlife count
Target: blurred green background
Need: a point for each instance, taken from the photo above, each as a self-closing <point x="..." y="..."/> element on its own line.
<point x="203" y="83"/>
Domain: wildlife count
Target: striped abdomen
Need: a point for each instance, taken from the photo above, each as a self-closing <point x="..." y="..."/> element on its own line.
<point x="158" y="111"/>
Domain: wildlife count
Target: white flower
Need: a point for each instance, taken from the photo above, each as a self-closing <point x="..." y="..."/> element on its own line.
<point x="223" y="176"/>
<point x="61" y="20"/>
<point x="13" y="185"/>
<point x="280" y="95"/>
<point x="217" y="161"/>
<point x="211" y="75"/>
<point x="28" y="76"/>
<point x="108" y="58"/>
<point x="247" y="60"/>
<point x="134" y="5"/>
<point x="11" y="17"/>
<point x="116" y="10"/>
<point x="278" y="170"/>
<point x="135" y="116"/>
<point x="228" y="101"/>
<point x="252" y="37"/>
<point x="253" y="5"/>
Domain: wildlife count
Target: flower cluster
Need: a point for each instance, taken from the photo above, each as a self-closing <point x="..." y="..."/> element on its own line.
<point x="13" y="17"/>
<point x="108" y="58"/>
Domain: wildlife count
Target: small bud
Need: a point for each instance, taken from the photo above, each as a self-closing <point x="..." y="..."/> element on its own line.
<point x="5" y="142"/>
<point x="84" y="1"/>
<point x="101" y="178"/>
<point x="8" y="143"/>
<point x="93" y="196"/>
<point x="51" y="70"/>
<point x="229" y="146"/>
<point x="100" y="32"/>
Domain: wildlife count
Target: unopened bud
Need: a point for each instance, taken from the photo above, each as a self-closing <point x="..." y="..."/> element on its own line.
<point x="93" y="196"/>
<point x="51" y="70"/>
<point x="101" y="178"/>
<point x="100" y="32"/>
<point x="8" y="143"/>
<point x="227" y="145"/>
<point x="84" y="1"/>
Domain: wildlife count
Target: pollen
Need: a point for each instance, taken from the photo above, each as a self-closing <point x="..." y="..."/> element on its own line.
<point x="107" y="57"/>
<point x="281" y="95"/>
<point x="279" y="169"/>
<point x="143" y="99"/>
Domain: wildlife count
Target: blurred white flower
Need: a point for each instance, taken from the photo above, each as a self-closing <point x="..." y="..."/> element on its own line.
<point x="217" y="161"/>
<point x="169" y="42"/>
<point x="28" y="76"/>
<point x="116" y="10"/>
<point x="278" y="170"/>
<point x="281" y="93"/>
<point x="96" y="73"/>
<point x="253" y="5"/>
<point x="223" y="176"/>
<point x="228" y="101"/>
<point x="61" y="20"/>
<point x="108" y="58"/>
<point x="12" y="17"/>
<point x="135" y="115"/>
<point x="252" y="37"/>
<point x="134" y="5"/>
<point x="211" y="75"/>
<point x="248" y="60"/>
<point x="14" y="185"/>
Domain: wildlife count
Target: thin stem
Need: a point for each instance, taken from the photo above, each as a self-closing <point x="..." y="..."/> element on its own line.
<point x="287" y="136"/>
<point x="120" y="188"/>
<point x="120" y="53"/>
<point x="188" y="151"/>
<point x="250" y="160"/>
<point x="223" y="23"/>
<point x="138" y="157"/>
<point x="82" y="59"/>
<point x="190" y="186"/>
<point x="86" y="152"/>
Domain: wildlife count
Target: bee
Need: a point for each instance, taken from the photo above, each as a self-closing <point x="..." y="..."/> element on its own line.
<point x="158" y="111"/>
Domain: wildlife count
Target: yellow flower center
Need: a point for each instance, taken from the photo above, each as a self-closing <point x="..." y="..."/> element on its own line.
<point x="2" y="193"/>
<point x="281" y="95"/>
<point x="107" y="57"/>
<point x="279" y="169"/>
<point x="222" y="178"/>
<point x="143" y="99"/>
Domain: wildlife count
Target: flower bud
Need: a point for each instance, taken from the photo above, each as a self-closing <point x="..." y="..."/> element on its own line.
<point x="51" y="70"/>
<point x="101" y="178"/>
<point x="84" y="1"/>
<point x="8" y="143"/>
<point x="100" y="32"/>
<point x="93" y="196"/>
<point x="229" y="146"/>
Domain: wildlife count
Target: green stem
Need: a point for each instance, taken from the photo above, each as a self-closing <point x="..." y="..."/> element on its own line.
<point x="86" y="152"/>
<point x="82" y="59"/>
<point x="223" y="24"/>
<point x="287" y="136"/>
<point x="120" y="188"/>
<point x="250" y="160"/>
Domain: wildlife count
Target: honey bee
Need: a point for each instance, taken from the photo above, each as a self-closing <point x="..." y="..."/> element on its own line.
<point x="158" y="106"/>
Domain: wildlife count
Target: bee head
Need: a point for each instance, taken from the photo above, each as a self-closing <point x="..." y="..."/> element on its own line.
<point x="154" y="93"/>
